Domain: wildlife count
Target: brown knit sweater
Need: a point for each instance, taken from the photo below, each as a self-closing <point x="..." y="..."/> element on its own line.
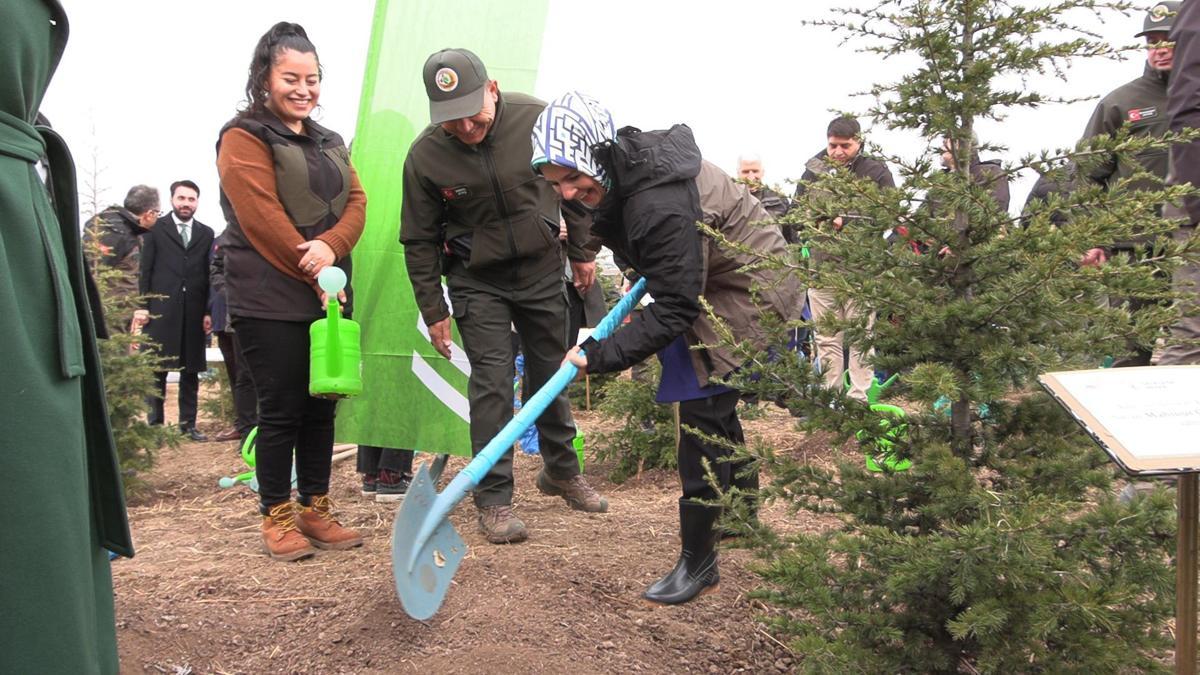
<point x="247" y="172"/>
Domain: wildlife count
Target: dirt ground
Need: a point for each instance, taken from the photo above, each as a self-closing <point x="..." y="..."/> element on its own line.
<point x="201" y="597"/>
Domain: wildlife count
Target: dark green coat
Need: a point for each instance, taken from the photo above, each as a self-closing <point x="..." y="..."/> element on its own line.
<point x="1142" y="104"/>
<point x="62" y="491"/>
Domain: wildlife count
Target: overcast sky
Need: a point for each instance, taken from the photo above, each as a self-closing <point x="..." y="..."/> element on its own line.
<point x="145" y="85"/>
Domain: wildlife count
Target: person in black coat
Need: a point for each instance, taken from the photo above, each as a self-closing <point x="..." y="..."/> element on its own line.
<point x="174" y="267"/>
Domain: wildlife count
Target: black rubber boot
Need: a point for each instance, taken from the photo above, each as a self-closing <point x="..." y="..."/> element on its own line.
<point x="696" y="570"/>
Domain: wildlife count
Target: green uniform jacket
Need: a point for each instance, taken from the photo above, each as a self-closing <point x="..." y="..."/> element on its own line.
<point x="1142" y="104"/>
<point x="62" y="489"/>
<point x="484" y="203"/>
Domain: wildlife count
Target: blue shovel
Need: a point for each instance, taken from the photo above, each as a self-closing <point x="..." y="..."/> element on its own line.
<point x="426" y="550"/>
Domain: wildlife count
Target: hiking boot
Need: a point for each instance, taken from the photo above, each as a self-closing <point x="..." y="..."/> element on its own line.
<point x="316" y="522"/>
<point x="391" y="486"/>
<point x="281" y="539"/>
<point x="575" y="490"/>
<point x="500" y="525"/>
<point x="370" y="485"/>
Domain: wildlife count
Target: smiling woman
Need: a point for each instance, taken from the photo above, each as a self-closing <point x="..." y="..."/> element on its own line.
<point x="295" y="87"/>
<point x="294" y="206"/>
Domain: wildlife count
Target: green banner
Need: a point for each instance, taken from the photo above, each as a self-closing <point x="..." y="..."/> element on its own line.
<point x="413" y="397"/>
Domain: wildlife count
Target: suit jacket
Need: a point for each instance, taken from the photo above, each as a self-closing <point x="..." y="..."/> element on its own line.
<point x="180" y="275"/>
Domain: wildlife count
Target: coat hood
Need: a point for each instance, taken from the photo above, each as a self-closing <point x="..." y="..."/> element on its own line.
<point x="639" y="160"/>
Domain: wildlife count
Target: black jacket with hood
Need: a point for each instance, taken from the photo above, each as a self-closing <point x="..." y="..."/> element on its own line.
<point x="661" y="188"/>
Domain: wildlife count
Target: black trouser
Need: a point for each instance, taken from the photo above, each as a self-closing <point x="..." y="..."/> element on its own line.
<point x="276" y="352"/>
<point x="245" y="402"/>
<point x="716" y="416"/>
<point x="189" y="394"/>
<point x="576" y="314"/>
<point x="372" y="458"/>
<point x="484" y="318"/>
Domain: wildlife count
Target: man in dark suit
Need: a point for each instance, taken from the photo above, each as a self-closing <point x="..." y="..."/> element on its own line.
<point x="175" y="266"/>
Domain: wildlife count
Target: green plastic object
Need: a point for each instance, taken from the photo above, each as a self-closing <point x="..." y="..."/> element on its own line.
<point x="247" y="477"/>
<point x="875" y="390"/>
<point x="578" y="444"/>
<point x="248" y="447"/>
<point x="335" y="365"/>
<point x="894" y="428"/>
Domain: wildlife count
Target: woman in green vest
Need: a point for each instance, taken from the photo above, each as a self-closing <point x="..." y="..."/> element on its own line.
<point x="62" y="491"/>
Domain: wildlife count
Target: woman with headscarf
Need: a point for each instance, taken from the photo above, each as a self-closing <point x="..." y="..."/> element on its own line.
<point x="649" y="190"/>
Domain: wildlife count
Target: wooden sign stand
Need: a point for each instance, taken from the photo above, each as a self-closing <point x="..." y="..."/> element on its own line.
<point x="1147" y="420"/>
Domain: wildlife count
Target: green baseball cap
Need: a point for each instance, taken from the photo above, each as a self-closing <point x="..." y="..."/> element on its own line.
<point x="455" y="80"/>
<point x="1160" y="18"/>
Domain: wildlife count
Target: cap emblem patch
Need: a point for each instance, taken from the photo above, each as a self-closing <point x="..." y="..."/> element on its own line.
<point x="446" y="79"/>
<point x="1159" y="13"/>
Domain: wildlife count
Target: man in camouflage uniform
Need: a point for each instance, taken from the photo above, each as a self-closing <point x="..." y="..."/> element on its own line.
<point x="117" y="233"/>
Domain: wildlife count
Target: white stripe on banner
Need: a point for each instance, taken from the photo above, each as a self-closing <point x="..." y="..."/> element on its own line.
<point x="458" y="358"/>
<point x="448" y="395"/>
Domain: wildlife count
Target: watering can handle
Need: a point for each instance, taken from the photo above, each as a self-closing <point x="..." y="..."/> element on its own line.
<point x="333" y="343"/>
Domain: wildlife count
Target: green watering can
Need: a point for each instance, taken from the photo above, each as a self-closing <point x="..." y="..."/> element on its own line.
<point x="335" y="363"/>
<point x="893" y="428"/>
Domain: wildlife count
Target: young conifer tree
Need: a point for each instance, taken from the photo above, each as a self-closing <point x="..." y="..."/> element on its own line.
<point x="128" y="377"/>
<point x="1001" y="548"/>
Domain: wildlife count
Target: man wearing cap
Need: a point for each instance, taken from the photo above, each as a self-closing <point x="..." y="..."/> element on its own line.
<point x="474" y="211"/>
<point x="1184" y="112"/>
<point x="1142" y="104"/>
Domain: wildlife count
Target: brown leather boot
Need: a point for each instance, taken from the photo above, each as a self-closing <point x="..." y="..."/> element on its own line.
<point x="316" y="522"/>
<point x="281" y="539"/>
<point x="500" y="525"/>
<point x="575" y="490"/>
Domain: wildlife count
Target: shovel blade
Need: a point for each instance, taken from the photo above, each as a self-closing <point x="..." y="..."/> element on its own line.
<point x="423" y="574"/>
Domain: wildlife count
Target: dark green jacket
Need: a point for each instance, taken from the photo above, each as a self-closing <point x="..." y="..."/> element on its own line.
<point x="1142" y="104"/>
<point x="62" y="490"/>
<point x="483" y="207"/>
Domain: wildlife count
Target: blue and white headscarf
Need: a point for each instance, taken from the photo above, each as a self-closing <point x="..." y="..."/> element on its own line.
<point x="566" y="131"/>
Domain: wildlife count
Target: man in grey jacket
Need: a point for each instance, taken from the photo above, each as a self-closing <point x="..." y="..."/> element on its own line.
<point x="843" y="152"/>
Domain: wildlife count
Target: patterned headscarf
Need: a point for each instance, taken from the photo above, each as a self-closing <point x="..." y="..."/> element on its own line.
<point x="566" y="131"/>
